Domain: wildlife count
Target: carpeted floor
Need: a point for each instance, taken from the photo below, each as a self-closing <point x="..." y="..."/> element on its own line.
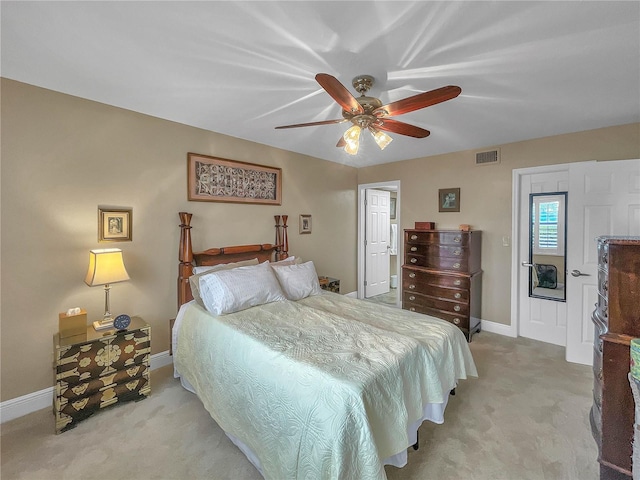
<point x="524" y="418"/>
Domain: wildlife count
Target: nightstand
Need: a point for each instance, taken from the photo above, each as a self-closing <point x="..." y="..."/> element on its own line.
<point x="330" y="284"/>
<point x="100" y="369"/>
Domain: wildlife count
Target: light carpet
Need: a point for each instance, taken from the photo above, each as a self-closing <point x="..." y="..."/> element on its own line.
<point x="524" y="418"/>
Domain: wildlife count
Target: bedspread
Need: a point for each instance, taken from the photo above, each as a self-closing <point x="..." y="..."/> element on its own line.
<point x="319" y="389"/>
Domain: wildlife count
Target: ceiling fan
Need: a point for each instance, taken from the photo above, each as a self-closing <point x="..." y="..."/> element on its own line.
<point x="368" y="112"/>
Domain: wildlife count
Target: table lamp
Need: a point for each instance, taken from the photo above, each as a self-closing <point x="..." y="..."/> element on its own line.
<point x="106" y="266"/>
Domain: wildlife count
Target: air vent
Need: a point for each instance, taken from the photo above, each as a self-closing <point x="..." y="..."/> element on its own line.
<point x="488" y="158"/>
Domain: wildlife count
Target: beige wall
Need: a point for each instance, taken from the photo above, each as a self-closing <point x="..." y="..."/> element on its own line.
<point x="486" y="193"/>
<point x="63" y="156"/>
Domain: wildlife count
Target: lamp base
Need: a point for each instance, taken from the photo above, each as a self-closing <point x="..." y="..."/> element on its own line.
<point x="103" y="324"/>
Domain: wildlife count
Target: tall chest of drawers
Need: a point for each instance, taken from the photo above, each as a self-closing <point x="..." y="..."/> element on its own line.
<point x="617" y="321"/>
<point x="100" y="369"/>
<point x="441" y="276"/>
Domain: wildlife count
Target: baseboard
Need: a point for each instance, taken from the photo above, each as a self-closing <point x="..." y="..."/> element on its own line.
<point x="499" y="328"/>
<point x="351" y="294"/>
<point x="32" y="402"/>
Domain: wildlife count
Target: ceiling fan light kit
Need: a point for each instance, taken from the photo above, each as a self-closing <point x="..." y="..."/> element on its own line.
<point x="369" y="113"/>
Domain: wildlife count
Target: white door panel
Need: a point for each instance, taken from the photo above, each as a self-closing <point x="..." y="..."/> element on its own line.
<point x="377" y="242"/>
<point x="539" y="318"/>
<point x="604" y="199"/>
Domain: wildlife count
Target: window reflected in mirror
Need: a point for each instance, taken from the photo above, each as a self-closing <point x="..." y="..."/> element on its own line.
<point x="547" y="246"/>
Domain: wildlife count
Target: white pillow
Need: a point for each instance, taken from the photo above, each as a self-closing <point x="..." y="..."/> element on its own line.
<point x="229" y="291"/>
<point x="298" y="281"/>
<point x="224" y="266"/>
<point x="194" y="280"/>
<point x="288" y="261"/>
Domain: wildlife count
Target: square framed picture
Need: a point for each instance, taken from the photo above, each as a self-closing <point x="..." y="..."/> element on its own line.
<point x="115" y="224"/>
<point x="449" y="200"/>
<point x="305" y="224"/>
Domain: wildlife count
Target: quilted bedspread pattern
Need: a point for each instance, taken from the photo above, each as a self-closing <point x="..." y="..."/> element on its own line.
<point x="322" y="388"/>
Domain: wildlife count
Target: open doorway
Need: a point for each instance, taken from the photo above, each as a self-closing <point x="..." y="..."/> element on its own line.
<point x="393" y="243"/>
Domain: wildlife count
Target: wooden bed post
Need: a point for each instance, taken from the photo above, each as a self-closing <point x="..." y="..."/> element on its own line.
<point x="278" y="249"/>
<point x="185" y="255"/>
<point x="285" y="240"/>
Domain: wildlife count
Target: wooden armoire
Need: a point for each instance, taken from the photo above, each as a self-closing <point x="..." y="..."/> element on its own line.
<point x="617" y="321"/>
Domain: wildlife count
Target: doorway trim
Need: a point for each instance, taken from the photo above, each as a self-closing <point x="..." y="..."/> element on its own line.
<point x="393" y="185"/>
<point x="518" y="173"/>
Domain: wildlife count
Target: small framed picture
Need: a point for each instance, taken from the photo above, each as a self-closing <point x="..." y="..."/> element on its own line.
<point x="449" y="200"/>
<point x="392" y="209"/>
<point x="305" y="223"/>
<point x="115" y="224"/>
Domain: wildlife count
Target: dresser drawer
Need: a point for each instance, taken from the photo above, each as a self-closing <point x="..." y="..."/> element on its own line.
<point x="602" y="309"/>
<point x="422" y="278"/>
<point x="70" y="411"/>
<point x="80" y="362"/>
<point x="457" y="295"/>
<point x="438" y="250"/>
<point x="603" y="282"/>
<point x="417" y="299"/>
<point x="413" y="237"/>
<point x="64" y="389"/>
<point x="453" y="264"/>
<point x="461" y="321"/>
<point x="603" y="255"/>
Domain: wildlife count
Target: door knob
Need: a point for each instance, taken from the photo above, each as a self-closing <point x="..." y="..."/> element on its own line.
<point x="578" y="273"/>
<point x="525" y="264"/>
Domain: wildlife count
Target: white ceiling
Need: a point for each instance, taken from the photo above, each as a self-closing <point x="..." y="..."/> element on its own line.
<point x="526" y="69"/>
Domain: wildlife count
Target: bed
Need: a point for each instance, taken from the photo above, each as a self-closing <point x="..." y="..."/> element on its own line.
<point x="319" y="387"/>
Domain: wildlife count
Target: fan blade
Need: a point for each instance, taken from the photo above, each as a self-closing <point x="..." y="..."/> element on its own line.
<point x="339" y="93"/>
<point x="341" y="143"/>
<point x="313" y="124"/>
<point x="419" y="101"/>
<point x="402" y="128"/>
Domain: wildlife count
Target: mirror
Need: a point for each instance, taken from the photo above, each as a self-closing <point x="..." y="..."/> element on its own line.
<point x="547" y="246"/>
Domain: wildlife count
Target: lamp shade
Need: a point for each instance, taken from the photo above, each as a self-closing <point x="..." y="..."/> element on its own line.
<point x="106" y="266"/>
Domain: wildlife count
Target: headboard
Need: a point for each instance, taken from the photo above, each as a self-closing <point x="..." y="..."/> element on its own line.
<point x="212" y="256"/>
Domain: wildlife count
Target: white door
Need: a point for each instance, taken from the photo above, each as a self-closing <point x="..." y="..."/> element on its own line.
<point x="604" y="199"/>
<point x="377" y="243"/>
<point x="540" y="319"/>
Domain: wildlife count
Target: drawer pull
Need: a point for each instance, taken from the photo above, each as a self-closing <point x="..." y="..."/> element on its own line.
<point x="412" y="287"/>
<point x="413" y="260"/>
<point x="457" y="295"/>
<point x="412" y="297"/>
<point x="456" y="321"/>
<point x="456" y="308"/>
<point x="457" y="252"/>
<point x="414" y="237"/>
<point x="457" y="282"/>
<point x="412" y="275"/>
<point x="457" y="239"/>
<point x="412" y="309"/>
<point x="456" y="265"/>
<point x="414" y="249"/>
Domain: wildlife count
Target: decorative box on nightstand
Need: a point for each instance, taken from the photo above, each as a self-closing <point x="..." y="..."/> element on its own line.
<point x="330" y="284"/>
<point x="99" y="369"/>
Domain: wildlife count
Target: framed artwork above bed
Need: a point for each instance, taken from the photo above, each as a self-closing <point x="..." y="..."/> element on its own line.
<point x="212" y="179"/>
